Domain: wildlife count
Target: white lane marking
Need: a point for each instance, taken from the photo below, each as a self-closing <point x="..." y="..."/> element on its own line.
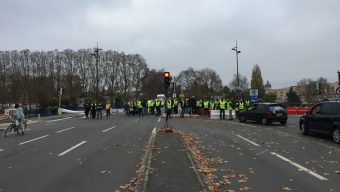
<point x="108" y="129"/>
<point x="159" y="119"/>
<point x="242" y="124"/>
<point x="59" y="119"/>
<point x="1" y="150"/>
<point x="257" y="145"/>
<point x="300" y="167"/>
<point x="33" y="139"/>
<point x="72" y="148"/>
<point x="65" y="129"/>
<point x="154" y="130"/>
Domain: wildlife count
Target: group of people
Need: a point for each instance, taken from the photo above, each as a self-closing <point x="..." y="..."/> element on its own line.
<point x="97" y="110"/>
<point x="190" y="105"/>
<point x="143" y="107"/>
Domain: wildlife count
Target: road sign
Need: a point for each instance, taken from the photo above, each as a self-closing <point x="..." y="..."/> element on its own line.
<point x="253" y="98"/>
<point x="254" y="92"/>
<point x="338" y="91"/>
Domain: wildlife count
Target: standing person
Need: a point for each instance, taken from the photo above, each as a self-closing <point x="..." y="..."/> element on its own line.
<point x="93" y="110"/>
<point x="222" y="108"/>
<point x="206" y="107"/>
<point x="183" y="106"/>
<point x="230" y="109"/>
<point x="140" y="107"/>
<point x="19" y="113"/>
<point x="158" y="107"/>
<point x="87" y="110"/>
<point x="99" y="111"/>
<point x="168" y="107"/>
<point x="108" y="109"/>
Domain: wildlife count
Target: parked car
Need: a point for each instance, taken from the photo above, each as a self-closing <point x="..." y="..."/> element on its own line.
<point x="264" y="113"/>
<point x="322" y="118"/>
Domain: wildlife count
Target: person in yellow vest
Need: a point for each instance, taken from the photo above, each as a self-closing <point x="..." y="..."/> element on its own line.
<point x="99" y="111"/>
<point x="108" y="109"/>
<point x="240" y="106"/>
<point x="152" y="106"/>
<point x="222" y="108"/>
<point x="247" y="103"/>
<point x="168" y="108"/>
<point x="158" y="107"/>
<point x="140" y="107"/>
<point x="206" y="107"/>
<point x="216" y="104"/>
<point x="197" y="106"/>
<point x="148" y="105"/>
<point x="230" y="109"/>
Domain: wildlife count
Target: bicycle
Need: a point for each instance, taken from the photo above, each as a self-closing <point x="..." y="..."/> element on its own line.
<point x="14" y="127"/>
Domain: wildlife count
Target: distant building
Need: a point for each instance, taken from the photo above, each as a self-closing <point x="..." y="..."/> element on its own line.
<point x="281" y="94"/>
<point x="267" y="86"/>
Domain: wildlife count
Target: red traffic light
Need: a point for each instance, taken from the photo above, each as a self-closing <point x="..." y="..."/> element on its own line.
<point x="166" y="74"/>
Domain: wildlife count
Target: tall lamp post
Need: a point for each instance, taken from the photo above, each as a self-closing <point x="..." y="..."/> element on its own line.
<point x="96" y="55"/>
<point x="237" y="78"/>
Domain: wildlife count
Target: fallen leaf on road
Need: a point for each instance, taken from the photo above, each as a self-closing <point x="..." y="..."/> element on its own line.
<point x="242" y="181"/>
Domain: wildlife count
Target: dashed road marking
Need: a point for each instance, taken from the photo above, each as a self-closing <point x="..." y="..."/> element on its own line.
<point x="59" y="119"/>
<point x="257" y="145"/>
<point x="108" y="129"/>
<point x="159" y="119"/>
<point x="72" y="148"/>
<point x="65" y="129"/>
<point x="33" y="139"/>
<point x="242" y="124"/>
<point x="300" y="167"/>
<point x="1" y="150"/>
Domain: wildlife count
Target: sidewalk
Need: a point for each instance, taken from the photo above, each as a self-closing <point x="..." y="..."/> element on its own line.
<point x="171" y="169"/>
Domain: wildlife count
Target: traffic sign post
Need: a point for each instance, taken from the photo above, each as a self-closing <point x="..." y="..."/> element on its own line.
<point x="338" y="91"/>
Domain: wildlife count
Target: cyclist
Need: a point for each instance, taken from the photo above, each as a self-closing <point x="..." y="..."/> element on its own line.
<point x="19" y="113"/>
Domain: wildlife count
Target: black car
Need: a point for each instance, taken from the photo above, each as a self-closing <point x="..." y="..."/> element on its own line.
<point x="323" y="118"/>
<point x="264" y="113"/>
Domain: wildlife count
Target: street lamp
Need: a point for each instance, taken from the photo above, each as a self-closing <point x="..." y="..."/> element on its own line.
<point x="237" y="52"/>
<point x="96" y="55"/>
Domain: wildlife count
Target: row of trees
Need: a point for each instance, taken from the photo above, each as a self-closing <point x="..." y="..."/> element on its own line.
<point x="35" y="78"/>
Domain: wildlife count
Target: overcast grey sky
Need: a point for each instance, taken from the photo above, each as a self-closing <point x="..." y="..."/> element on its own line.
<point x="289" y="39"/>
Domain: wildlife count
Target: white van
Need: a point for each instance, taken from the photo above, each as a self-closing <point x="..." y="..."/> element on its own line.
<point x="161" y="97"/>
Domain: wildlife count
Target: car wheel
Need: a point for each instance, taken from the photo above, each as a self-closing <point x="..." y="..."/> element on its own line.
<point x="304" y="128"/>
<point x="283" y="122"/>
<point x="264" y="121"/>
<point x="242" y="119"/>
<point x="336" y="135"/>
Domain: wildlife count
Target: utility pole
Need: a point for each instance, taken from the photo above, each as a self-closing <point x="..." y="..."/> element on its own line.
<point x="338" y="77"/>
<point x="96" y="55"/>
<point x="237" y="77"/>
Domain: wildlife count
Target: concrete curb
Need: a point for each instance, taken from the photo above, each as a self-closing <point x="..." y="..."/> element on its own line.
<point x="203" y="179"/>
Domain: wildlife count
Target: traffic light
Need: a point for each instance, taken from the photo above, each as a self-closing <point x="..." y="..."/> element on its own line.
<point x="166" y="76"/>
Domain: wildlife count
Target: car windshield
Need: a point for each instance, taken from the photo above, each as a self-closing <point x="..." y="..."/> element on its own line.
<point x="276" y="108"/>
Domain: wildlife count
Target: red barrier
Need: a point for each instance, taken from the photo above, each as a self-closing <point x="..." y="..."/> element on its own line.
<point x="296" y="110"/>
<point x="4" y="117"/>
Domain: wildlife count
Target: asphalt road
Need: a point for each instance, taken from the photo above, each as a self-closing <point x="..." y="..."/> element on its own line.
<point x="76" y="154"/>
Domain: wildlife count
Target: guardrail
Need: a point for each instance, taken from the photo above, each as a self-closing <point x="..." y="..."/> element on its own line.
<point x="296" y="110"/>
